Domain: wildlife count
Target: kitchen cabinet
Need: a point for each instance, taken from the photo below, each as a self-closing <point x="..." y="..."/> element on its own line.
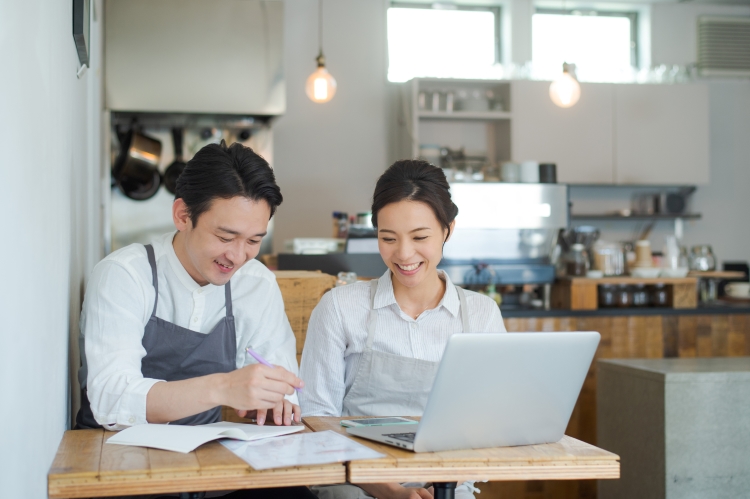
<point x="478" y="121"/>
<point x="661" y="134"/>
<point x="630" y="134"/>
<point x="578" y="139"/>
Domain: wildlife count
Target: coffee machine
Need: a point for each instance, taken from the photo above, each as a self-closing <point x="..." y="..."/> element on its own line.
<point x="505" y="233"/>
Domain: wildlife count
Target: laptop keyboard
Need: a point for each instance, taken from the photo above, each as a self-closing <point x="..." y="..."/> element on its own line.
<point x="406" y="437"/>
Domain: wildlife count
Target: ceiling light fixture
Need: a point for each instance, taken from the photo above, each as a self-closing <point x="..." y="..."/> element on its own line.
<point x="321" y="86"/>
<point x="565" y="90"/>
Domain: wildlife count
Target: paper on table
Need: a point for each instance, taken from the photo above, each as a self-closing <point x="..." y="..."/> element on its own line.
<point x="184" y="439"/>
<point x="320" y="447"/>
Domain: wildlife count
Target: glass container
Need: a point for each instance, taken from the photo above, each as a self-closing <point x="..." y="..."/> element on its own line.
<point x="640" y="296"/>
<point x="607" y="296"/>
<point x="623" y="296"/>
<point x="576" y="261"/>
<point x="702" y="258"/>
<point x="659" y="297"/>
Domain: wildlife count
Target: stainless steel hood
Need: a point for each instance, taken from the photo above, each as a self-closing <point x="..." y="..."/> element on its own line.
<point x="195" y="56"/>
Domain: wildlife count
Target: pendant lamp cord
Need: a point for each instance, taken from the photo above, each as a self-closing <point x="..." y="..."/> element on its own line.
<point x="321" y="60"/>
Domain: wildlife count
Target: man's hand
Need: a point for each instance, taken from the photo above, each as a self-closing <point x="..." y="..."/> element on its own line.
<point x="251" y="388"/>
<point x="257" y="387"/>
<point x="395" y="491"/>
<point x="285" y="413"/>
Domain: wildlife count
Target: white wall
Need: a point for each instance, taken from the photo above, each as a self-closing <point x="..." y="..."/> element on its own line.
<point x="50" y="233"/>
<point x="328" y="156"/>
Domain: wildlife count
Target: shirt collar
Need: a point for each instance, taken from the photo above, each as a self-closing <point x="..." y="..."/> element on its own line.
<point x="179" y="269"/>
<point x="384" y="295"/>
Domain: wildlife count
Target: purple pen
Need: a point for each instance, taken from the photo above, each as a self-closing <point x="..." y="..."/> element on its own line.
<point x="260" y="359"/>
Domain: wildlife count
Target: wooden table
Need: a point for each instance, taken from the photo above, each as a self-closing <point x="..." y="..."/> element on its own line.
<point x="567" y="459"/>
<point x="85" y="467"/>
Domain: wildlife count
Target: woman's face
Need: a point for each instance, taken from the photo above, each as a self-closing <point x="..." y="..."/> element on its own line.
<point x="410" y="240"/>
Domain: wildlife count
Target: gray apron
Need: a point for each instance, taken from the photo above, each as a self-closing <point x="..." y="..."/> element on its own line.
<point x="391" y="385"/>
<point x="387" y="385"/>
<point x="175" y="353"/>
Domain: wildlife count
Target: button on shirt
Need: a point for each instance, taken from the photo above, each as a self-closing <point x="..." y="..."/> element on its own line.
<point x="337" y="334"/>
<point x="118" y="304"/>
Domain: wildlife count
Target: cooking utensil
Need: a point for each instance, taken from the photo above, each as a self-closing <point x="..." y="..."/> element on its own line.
<point x="175" y="169"/>
<point x="136" y="170"/>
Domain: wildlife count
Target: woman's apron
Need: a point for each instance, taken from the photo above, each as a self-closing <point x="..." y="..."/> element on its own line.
<point x="387" y="385"/>
<point x="175" y="353"/>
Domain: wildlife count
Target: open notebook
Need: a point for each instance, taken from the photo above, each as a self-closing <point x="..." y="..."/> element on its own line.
<point x="184" y="439"/>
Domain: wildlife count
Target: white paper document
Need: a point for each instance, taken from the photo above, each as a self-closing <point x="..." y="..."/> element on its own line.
<point x="320" y="447"/>
<point x="180" y="438"/>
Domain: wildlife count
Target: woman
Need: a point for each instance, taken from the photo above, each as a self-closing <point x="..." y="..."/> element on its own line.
<point x="373" y="348"/>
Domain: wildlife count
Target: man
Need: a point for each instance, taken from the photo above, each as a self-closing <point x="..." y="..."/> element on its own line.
<point x="165" y="326"/>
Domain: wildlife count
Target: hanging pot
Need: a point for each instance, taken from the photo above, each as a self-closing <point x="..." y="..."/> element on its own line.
<point x="136" y="170"/>
<point x="175" y="169"/>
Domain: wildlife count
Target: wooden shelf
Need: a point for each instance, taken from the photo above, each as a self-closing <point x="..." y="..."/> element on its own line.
<point x="465" y="115"/>
<point x="717" y="274"/>
<point x="580" y="293"/>
<point x="630" y="280"/>
<point x="614" y="217"/>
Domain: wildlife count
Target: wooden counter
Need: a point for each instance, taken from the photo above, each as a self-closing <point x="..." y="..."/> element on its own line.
<point x="632" y="336"/>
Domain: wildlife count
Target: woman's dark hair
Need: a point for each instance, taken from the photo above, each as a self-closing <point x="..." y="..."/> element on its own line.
<point x="415" y="180"/>
<point x="218" y="171"/>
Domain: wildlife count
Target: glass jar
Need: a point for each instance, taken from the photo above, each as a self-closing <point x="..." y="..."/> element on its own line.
<point x="623" y="296"/>
<point x="659" y="297"/>
<point x="344" y="278"/>
<point x="640" y="296"/>
<point x="606" y="296"/>
<point x="702" y="258"/>
<point x="576" y="261"/>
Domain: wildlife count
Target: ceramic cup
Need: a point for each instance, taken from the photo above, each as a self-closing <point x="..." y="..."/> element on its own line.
<point x="738" y="289"/>
<point x="530" y="172"/>
<point x="510" y="172"/>
<point x="643" y="257"/>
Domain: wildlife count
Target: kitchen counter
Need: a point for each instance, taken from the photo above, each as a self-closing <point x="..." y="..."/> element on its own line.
<point x="722" y="308"/>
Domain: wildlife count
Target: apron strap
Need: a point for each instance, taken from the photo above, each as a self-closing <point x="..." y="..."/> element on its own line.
<point x="228" y="299"/>
<point x="372" y="319"/>
<point x="154" y="280"/>
<point x="464" y="309"/>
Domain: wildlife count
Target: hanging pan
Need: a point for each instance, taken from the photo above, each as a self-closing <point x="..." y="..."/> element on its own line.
<point x="136" y="170"/>
<point x="175" y="169"/>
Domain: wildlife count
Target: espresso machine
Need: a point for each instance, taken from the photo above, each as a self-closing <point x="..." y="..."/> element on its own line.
<point x="506" y="234"/>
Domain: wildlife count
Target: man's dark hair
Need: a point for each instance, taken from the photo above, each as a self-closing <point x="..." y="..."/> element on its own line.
<point x="415" y="180"/>
<point x="218" y="171"/>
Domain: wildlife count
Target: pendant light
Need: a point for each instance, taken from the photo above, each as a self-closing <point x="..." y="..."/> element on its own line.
<point x="321" y="86"/>
<point x="565" y="90"/>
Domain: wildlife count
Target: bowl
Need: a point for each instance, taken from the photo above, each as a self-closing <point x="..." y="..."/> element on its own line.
<point x="678" y="272"/>
<point x="645" y="272"/>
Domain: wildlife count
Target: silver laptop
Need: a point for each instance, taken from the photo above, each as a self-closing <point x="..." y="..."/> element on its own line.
<point x="496" y="390"/>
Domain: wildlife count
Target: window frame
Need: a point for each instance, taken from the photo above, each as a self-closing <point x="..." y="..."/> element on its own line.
<point x="631" y="15"/>
<point x="495" y="9"/>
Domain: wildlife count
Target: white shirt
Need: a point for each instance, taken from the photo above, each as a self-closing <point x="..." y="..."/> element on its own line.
<point x="337" y="334"/>
<point x="118" y="304"/>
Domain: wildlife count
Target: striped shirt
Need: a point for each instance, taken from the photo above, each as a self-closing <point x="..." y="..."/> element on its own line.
<point x="337" y="334"/>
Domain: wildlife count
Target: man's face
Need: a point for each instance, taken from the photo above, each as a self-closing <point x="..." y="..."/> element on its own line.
<point x="225" y="237"/>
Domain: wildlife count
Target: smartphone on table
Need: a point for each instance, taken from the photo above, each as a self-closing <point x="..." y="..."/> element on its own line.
<point x="352" y="423"/>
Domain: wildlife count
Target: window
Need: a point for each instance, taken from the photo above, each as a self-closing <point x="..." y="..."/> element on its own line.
<point x="444" y="42"/>
<point x="602" y="45"/>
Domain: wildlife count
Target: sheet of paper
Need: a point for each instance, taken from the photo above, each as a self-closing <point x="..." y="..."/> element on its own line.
<point x="184" y="439"/>
<point x="299" y="450"/>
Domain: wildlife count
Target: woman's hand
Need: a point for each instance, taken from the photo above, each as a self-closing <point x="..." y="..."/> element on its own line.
<point x="395" y="491"/>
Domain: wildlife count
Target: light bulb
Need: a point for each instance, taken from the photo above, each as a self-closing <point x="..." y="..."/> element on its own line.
<point x="321" y="86"/>
<point x="565" y="90"/>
